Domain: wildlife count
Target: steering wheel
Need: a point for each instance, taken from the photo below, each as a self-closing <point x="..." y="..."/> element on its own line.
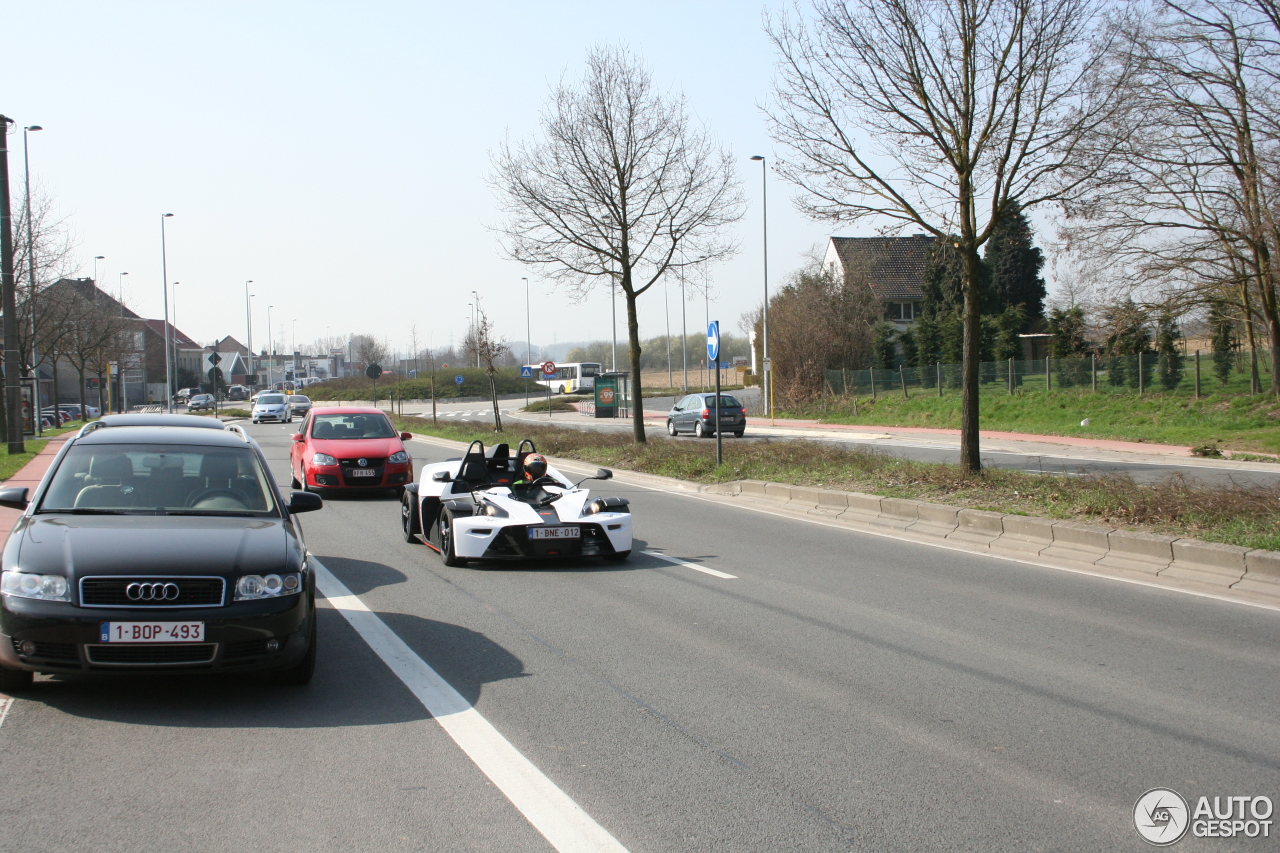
<point x="547" y="480"/>
<point x="234" y="494"/>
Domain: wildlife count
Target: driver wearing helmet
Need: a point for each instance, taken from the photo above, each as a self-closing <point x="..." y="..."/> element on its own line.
<point x="535" y="467"/>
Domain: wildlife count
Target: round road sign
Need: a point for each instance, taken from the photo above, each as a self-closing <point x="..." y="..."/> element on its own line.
<point x="458" y="380"/>
<point x="548" y="368"/>
<point x="373" y="371"/>
<point x="713" y="340"/>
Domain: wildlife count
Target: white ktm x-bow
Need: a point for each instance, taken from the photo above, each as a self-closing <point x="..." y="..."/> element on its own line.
<point x="477" y="508"/>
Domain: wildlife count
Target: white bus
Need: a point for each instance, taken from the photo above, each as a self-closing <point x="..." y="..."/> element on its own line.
<point x="572" y="378"/>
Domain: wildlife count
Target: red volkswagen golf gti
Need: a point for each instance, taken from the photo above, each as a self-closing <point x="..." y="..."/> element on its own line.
<point x="349" y="448"/>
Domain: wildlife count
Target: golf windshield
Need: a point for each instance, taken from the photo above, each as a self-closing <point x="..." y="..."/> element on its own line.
<point x="338" y="427"/>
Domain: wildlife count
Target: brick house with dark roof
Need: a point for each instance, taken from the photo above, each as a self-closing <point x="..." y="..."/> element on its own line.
<point x="893" y="267"/>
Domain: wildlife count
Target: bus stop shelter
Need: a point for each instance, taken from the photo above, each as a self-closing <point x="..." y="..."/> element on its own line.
<point x="613" y="395"/>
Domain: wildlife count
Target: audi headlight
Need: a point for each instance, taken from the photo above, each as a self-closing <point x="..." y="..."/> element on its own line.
<point x="253" y="587"/>
<point x="324" y="459"/>
<point x="28" y="585"/>
<point x="398" y="458"/>
<point x="493" y="511"/>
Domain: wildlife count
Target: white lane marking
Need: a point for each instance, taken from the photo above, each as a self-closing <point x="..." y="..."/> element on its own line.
<point x="560" y="820"/>
<point x="6" y="702"/>
<point x="689" y="565"/>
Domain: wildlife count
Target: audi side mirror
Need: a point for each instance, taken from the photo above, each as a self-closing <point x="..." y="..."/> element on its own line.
<point x="304" y="502"/>
<point x="405" y="436"/>
<point x="14" y="497"/>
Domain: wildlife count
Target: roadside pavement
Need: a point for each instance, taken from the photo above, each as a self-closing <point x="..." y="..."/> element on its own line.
<point x="29" y="476"/>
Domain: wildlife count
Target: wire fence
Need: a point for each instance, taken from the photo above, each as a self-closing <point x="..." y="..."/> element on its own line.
<point x="1194" y="374"/>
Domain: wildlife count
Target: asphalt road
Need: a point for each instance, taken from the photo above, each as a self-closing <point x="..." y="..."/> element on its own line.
<point x="841" y="691"/>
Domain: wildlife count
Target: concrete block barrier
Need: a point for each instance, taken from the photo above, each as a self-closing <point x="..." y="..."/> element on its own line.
<point x="863" y="508"/>
<point x="1078" y="543"/>
<point x="777" y="491"/>
<point x="1206" y="564"/>
<point x="752" y="488"/>
<point x="1261" y="576"/>
<point x="977" y="527"/>
<point x="1144" y="553"/>
<point x="804" y="497"/>
<point x="896" y="513"/>
<point x="831" y="503"/>
<point x="935" y="520"/>
<point x="1024" y="535"/>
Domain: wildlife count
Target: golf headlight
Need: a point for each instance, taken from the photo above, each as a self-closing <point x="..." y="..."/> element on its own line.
<point x="27" y="585"/>
<point x="493" y="511"/>
<point x="253" y="587"/>
<point x="324" y="459"/>
<point x="398" y="458"/>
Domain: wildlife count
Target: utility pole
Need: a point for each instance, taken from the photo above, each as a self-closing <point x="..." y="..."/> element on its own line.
<point x="12" y="358"/>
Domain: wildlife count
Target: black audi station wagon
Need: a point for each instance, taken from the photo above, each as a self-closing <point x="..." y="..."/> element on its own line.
<point x="157" y="544"/>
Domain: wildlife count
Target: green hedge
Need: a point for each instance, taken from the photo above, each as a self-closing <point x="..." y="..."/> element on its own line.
<point x="475" y="384"/>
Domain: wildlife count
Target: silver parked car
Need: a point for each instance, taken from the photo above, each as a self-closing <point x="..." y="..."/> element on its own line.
<point x="272" y="407"/>
<point x="299" y="405"/>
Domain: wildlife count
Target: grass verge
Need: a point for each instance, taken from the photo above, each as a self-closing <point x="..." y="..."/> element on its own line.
<point x="1235" y="421"/>
<point x="1249" y="517"/>
<point x="11" y="464"/>
<point x="558" y="404"/>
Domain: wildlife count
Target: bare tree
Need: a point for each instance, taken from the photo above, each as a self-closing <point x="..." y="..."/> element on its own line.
<point x="46" y="237"/>
<point x="620" y="188"/>
<point x="938" y="116"/>
<point x="490" y="349"/>
<point x="1195" y="205"/>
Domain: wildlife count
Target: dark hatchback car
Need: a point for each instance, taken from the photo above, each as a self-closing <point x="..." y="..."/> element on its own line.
<point x="157" y="549"/>
<point x="696" y="413"/>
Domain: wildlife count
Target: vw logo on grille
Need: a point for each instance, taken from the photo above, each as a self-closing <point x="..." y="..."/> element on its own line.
<point x="152" y="591"/>
<point x="362" y="462"/>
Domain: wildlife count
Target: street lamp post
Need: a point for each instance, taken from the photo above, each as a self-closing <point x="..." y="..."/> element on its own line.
<point x="31" y="277"/>
<point x="168" y="362"/>
<point x="271" y="348"/>
<point x="766" y="384"/>
<point x="96" y="258"/>
<point x="120" y="290"/>
<point x="528" y="336"/>
<point x="248" y="322"/>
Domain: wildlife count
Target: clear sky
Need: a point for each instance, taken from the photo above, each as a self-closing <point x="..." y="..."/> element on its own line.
<point x="337" y="153"/>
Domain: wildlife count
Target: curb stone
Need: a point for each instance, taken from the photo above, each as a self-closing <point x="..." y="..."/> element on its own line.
<point x="1227" y="571"/>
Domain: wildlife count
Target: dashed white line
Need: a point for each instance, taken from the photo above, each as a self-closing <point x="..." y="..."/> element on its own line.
<point x="6" y="702"/>
<point x="689" y="565"/>
<point x="551" y="811"/>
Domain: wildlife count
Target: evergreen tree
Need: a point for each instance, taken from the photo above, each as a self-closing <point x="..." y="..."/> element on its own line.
<point x="910" y="352"/>
<point x="1013" y="263"/>
<point x="1224" y="340"/>
<point x="928" y="341"/>
<point x="941" y="280"/>
<point x="1069" y="345"/>
<point x="885" y="348"/>
<point x="1169" y="367"/>
<point x="1127" y="337"/>
<point x="1008" y="324"/>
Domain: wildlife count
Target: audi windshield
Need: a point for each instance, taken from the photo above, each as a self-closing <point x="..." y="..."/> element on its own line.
<point x="133" y="479"/>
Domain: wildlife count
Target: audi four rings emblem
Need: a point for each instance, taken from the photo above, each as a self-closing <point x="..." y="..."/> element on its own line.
<point x="363" y="462"/>
<point x="152" y="591"/>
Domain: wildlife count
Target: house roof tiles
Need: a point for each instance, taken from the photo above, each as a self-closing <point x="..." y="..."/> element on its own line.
<point x="893" y="266"/>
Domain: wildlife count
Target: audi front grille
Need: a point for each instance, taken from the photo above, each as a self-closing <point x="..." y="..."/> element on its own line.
<point x="125" y="591"/>
<point x="160" y="654"/>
